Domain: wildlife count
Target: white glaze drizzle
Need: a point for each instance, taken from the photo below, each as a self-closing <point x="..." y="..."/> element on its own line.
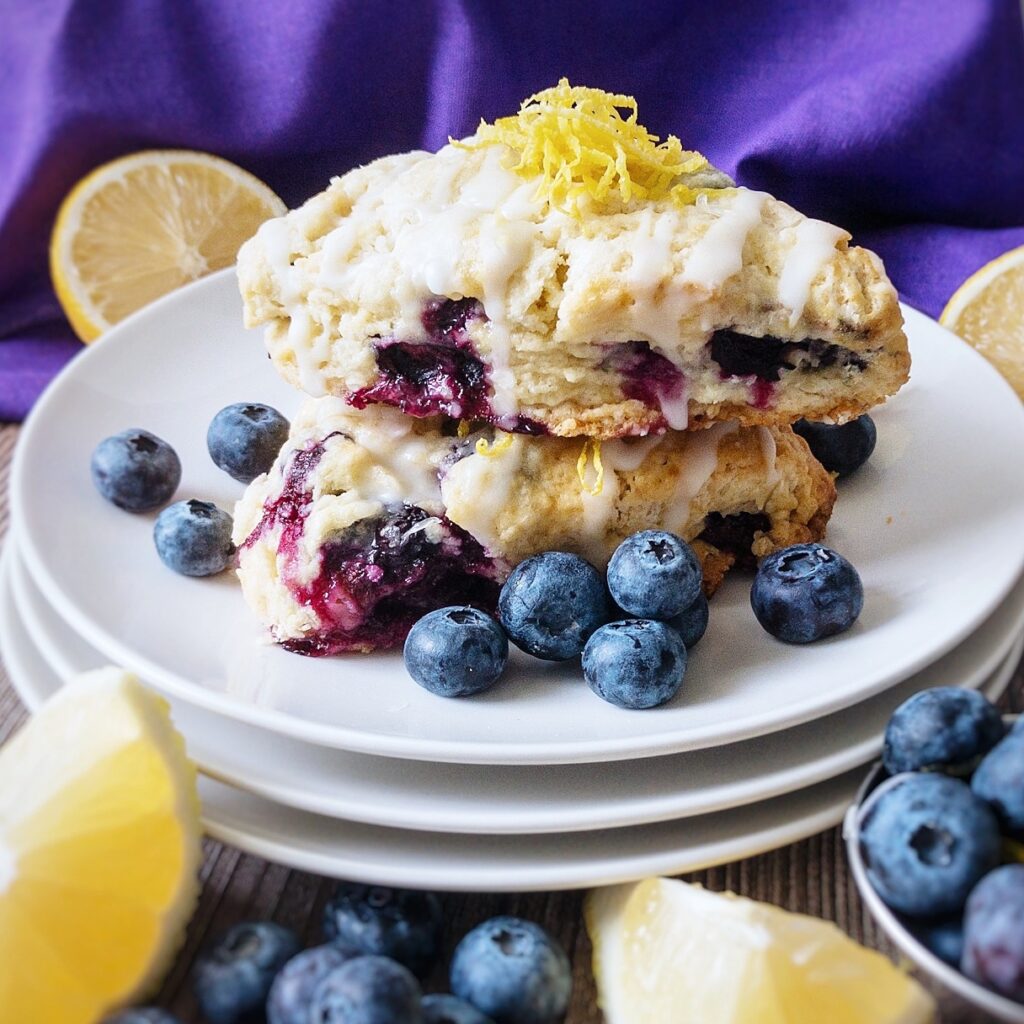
<point x="718" y="254"/>
<point x="770" y="454"/>
<point x="699" y="461"/>
<point x="814" y="244"/>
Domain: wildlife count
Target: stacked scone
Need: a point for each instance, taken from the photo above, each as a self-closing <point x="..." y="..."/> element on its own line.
<point x="549" y="335"/>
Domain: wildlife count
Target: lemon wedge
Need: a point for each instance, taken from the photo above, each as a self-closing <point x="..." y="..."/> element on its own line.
<point x="139" y="227"/>
<point x="99" y="851"/>
<point x="987" y="311"/>
<point x="670" y="953"/>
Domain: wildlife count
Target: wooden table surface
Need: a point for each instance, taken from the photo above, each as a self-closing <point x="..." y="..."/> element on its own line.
<point x="810" y="877"/>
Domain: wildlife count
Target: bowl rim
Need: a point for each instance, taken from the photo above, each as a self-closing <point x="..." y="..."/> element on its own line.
<point x="999" y="1006"/>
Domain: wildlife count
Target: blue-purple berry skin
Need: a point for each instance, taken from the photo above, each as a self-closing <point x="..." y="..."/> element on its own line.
<point x="403" y="924"/>
<point x="135" y="470"/>
<point x="944" y="938"/>
<point x="654" y="575"/>
<point x="946" y="729"/>
<point x="193" y="538"/>
<point x="456" y="651"/>
<point x="994" y="932"/>
<point x="291" y="994"/>
<point x="513" y="971"/>
<point x="842" y="448"/>
<point x="244" y="439"/>
<point x="635" y="664"/>
<point x="926" y="840"/>
<point x="449" y="1009"/>
<point x="692" y="624"/>
<point x="368" y="990"/>
<point x="999" y="781"/>
<point x="806" y="592"/>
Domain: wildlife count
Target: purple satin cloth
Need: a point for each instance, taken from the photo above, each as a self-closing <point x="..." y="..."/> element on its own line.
<point x="897" y="119"/>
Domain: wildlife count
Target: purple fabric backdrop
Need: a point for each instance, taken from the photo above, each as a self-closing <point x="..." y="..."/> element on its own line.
<point x="899" y="119"/>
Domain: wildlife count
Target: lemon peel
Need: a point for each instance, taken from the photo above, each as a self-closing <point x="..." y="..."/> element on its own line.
<point x="581" y="147"/>
<point x="591" y="449"/>
<point x="495" y="448"/>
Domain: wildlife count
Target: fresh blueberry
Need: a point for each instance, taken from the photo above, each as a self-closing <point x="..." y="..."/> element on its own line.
<point x="367" y="990"/>
<point x="142" y="1015"/>
<point x="999" y="781"/>
<point x="944" y="938"/>
<point x="805" y="592"/>
<point x="840" y="449"/>
<point x="947" y="729"/>
<point x="692" y="623"/>
<point x="454" y="652"/>
<point x="552" y="603"/>
<point x="446" y="1009"/>
<point x="513" y="971"/>
<point x="232" y="978"/>
<point x="654" y="575"/>
<point x="638" y="663"/>
<point x="402" y="924"/>
<point x="926" y="840"/>
<point x="194" y="538"/>
<point x="994" y="932"/>
<point x="244" y="439"/>
<point x="136" y="470"/>
<point x="292" y="991"/>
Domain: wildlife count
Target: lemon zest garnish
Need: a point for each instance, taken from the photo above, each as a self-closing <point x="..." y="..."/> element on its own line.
<point x="591" y="449"/>
<point x="578" y="143"/>
<point x="495" y="448"/>
<point x="463" y="430"/>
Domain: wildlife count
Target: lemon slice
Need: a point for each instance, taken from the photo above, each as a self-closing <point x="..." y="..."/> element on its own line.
<point x="987" y="311"/>
<point x="99" y="850"/>
<point x="143" y="225"/>
<point x="670" y="953"/>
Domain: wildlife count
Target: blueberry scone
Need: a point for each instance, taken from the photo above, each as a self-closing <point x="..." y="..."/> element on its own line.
<point x="563" y="272"/>
<point x="370" y="518"/>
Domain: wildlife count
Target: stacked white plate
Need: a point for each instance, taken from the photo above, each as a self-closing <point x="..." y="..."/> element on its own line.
<point x="344" y="766"/>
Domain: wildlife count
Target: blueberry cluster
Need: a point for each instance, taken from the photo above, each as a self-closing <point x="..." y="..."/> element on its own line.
<point x="934" y="833"/>
<point x="139" y="472"/>
<point x="379" y="944"/>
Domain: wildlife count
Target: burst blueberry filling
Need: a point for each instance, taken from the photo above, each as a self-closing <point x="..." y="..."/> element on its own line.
<point x="740" y="355"/>
<point x="734" y="534"/>
<point x="647" y="376"/>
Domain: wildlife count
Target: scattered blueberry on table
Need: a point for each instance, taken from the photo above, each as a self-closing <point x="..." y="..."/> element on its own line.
<point x="136" y="470"/>
<point x="806" y="592"/>
<point x="244" y="439"/>
<point x="654" y="575"/>
<point x="636" y="663"/>
<point x="293" y="988"/>
<point x="456" y="652"/>
<point x="841" y="449"/>
<point x="403" y="924"/>
<point x="194" y="538"/>
<point x="513" y="971"/>
<point x="233" y="978"/>
<point x="552" y="603"/>
<point x="367" y="990"/>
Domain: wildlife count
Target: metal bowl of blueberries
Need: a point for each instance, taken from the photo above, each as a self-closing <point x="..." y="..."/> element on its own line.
<point x="934" y="839"/>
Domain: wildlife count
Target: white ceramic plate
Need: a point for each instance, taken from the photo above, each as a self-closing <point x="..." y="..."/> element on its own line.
<point x="495" y="799"/>
<point x="389" y="856"/>
<point x="920" y="522"/>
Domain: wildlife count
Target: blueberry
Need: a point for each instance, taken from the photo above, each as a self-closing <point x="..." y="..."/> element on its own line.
<point x="454" y="652"/>
<point x="136" y="470"/>
<point x="654" y="575"/>
<point x="999" y="781"/>
<point x="806" y="592"/>
<point x="402" y="924"/>
<point x="926" y="840"/>
<point x="232" y="978"/>
<point x="194" y="538"/>
<point x="367" y="990"/>
<point x="244" y="439"/>
<point x="947" y="729"/>
<point x="692" y="623"/>
<point x="446" y="1009"/>
<point x="840" y="449"/>
<point x="994" y="932"/>
<point x="944" y="938"/>
<point x="292" y="991"/>
<point x="552" y="603"/>
<point x="639" y="663"/>
<point x="142" y="1015"/>
<point x="513" y="971"/>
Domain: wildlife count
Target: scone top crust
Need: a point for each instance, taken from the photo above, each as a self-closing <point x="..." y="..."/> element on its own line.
<point x="510" y="285"/>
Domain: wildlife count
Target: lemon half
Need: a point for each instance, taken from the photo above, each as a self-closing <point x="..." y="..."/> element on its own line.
<point x="670" y="953"/>
<point x="99" y="851"/>
<point x="141" y="226"/>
